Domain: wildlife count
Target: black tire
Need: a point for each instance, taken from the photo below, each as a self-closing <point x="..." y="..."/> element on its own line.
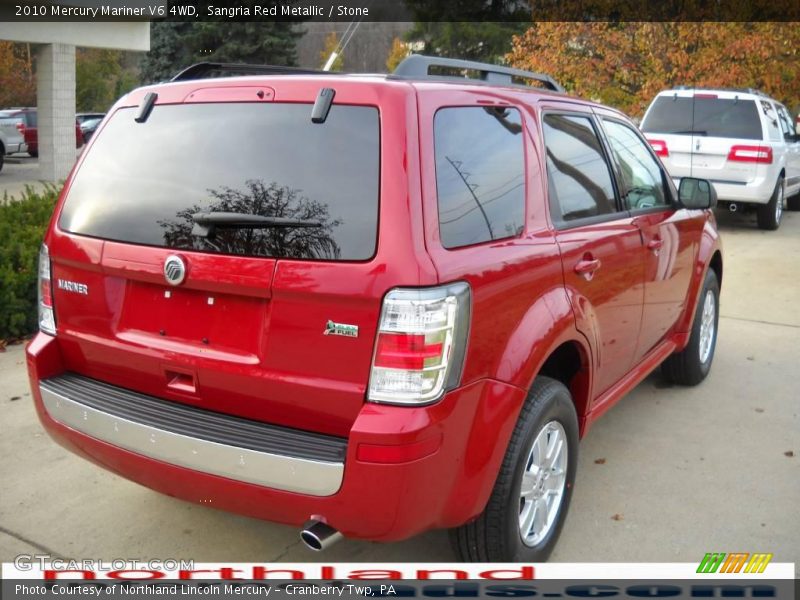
<point x="2" y="157"/>
<point x="686" y="367"/>
<point x="33" y="153"/>
<point x="769" y="215"/>
<point x="495" y="535"/>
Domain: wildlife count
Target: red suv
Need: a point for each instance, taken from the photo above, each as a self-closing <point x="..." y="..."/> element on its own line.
<point x="375" y="305"/>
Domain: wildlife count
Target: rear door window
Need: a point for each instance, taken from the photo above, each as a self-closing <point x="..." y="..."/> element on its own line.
<point x="579" y="179"/>
<point x="480" y="174"/>
<point x="706" y="116"/>
<point x="143" y="182"/>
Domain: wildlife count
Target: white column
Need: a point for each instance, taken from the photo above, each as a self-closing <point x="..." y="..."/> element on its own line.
<point x="55" y="80"/>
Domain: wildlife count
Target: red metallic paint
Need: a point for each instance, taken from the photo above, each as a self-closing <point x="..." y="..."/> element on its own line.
<point x="709" y="246"/>
<point x="382" y="502"/>
<point x="440" y="461"/>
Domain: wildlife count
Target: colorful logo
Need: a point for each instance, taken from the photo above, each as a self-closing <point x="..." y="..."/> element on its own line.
<point x="719" y="562"/>
<point x="332" y="328"/>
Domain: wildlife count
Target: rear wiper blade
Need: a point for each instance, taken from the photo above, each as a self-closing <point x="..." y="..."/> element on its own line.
<point x="690" y="132"/>
<point x="206" y="222"/>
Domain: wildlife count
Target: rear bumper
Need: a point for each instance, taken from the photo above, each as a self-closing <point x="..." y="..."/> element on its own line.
<point x="200" y="440"/>
<point x="15" y="148"/>
<point x="757" y="191"/>
<point x="439" y="469"/>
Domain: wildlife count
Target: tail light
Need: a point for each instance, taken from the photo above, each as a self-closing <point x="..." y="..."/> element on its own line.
<point x="47" y="319"/>
<point x="660" y="147"/>
<point x="421" y="343"/>
<point x="21" y="127"/>
<point x="753" y="154"/>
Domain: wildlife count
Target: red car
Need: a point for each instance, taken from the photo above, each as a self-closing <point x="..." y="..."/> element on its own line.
<point x="373" y="305"/>
<point x="30" y="130"/>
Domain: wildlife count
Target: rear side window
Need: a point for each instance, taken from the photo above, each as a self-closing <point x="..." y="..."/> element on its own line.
<point x="786" y="124"/>
<point x="142" y="182"/>
<point x="480" y="174"/>
<point x="713" y="117"/>
<point x="579" y="180"/>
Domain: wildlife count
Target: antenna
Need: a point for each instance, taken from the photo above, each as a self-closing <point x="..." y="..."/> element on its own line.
<point x="348" y="35"/>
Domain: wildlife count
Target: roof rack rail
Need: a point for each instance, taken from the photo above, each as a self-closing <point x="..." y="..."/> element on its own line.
<point x="417" y="66"/>
<point x="207" y="70"/>
<point x="753" y="91"/>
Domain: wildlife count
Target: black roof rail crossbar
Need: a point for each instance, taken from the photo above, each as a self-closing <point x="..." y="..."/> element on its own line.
<point x="206" y="70"/>
<point x="417" y="66"/>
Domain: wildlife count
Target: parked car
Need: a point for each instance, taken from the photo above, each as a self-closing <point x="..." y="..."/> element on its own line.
<point x="90" y="116"/>
<point x="743" y="141"/>
<point x="89" y="126"/>
<point x="30" y="131"/>
<point x="367" y="306"/>
<point x="12" y="139"/>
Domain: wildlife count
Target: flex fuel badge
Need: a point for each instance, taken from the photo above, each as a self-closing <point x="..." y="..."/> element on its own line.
<point x="332" y="328"/>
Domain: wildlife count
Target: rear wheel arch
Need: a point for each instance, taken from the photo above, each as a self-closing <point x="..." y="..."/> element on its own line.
<point x="501" y="532"/>
<point x="569" y="363"/>
<point x="566" y="361"/>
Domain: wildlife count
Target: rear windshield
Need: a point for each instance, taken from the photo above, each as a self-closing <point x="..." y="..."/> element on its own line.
<point x="142" y="182"/>
<point x="712" y="117"/>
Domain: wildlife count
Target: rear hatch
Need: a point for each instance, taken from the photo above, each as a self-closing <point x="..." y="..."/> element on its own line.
<point x="706" y="135"/>
<point x="245" y="331"/>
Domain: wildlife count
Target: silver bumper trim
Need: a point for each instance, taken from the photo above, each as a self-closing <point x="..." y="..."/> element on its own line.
<point x="285" y="473"/>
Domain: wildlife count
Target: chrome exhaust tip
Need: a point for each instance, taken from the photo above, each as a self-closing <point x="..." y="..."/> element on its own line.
<point x="318" y="536"/>
<point x="732" y="207"/>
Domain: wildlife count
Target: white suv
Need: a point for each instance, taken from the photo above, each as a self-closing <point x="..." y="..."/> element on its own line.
<point x="741" y="140"/>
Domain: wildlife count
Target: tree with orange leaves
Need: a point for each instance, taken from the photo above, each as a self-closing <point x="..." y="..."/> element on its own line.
<point x="627" y="64"/>
<point x="17" y="84"/>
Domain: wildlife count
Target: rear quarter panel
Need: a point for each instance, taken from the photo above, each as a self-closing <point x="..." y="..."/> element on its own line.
<point x="520" y="310"/>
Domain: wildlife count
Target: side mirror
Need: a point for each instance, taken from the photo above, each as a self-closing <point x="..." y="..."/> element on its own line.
<point x="697" y="193"/>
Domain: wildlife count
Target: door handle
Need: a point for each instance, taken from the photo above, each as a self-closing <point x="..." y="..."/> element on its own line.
<point x="587" y="267"/>
<point x="655" y="244"/>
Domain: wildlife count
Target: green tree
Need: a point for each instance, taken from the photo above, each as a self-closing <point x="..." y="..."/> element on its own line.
<point x="169" y="52"/>
<point x="470" y="29"/>
<point x="257" y="42"/>
<point x="176" y="45"/>
<point x="96" y="74"/>
<point x="102" y="76"/>
<point x="126" y="81"/>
